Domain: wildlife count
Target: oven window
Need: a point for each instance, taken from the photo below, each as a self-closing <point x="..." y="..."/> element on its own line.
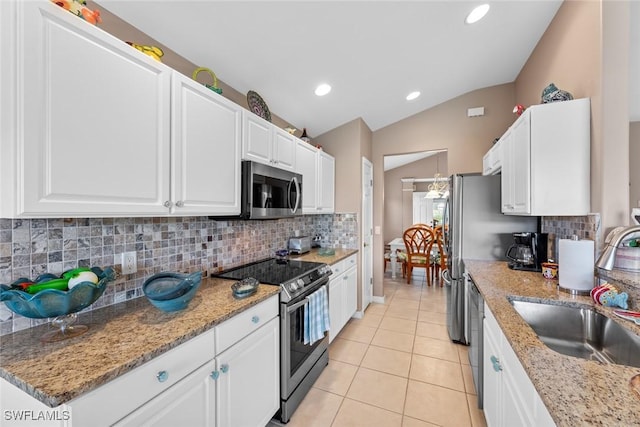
<point x="299" y="352"/>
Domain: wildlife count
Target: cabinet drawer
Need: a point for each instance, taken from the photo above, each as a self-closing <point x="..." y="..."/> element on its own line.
<point x="352" y="261"/>
<point x="241" y="325"/>
<point x="337" y="268"/>
<point x="131" y="390"/>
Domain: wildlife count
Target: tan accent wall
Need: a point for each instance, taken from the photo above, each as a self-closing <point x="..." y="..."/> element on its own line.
<point x="121" y="29"/>
<point x="345" y="143"/>
<point x="398" y="204"/>
<point x="634" y="168"/>
<point x="445" y="126"/>
<point x="585" y="51"/>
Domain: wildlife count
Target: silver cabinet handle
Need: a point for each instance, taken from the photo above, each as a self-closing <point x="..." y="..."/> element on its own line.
<point x="496" y="364"/>
<point x="162" y="376"/>
<point x="214" y="375"/>
<point x="167" y="204"/>
<point x="180" y="203"/>
<point x="224" y="368"/>
<point x="255" y="319"/>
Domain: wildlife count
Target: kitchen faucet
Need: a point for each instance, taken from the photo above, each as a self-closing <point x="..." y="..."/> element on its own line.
<point x="608" y="256"/>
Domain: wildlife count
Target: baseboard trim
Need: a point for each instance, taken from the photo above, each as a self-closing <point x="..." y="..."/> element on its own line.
<point x="378" y="300"/>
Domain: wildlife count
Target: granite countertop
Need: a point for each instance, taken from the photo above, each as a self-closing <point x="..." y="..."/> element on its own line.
<point x="575" y="391"/>
<point x="314" y="256"/>
<point x="121" y="337"/>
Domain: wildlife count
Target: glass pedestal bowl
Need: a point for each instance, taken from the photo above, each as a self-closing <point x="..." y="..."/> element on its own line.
<point x="62" y="305"/>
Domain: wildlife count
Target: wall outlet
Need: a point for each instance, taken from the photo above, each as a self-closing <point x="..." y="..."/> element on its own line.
<point x="129" y="262"/>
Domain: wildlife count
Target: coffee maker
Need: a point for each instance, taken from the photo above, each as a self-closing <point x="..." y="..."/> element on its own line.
<point x="528" y="252"/>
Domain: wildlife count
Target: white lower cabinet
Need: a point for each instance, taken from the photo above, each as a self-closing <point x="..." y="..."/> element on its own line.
<point x="228" y="376"/>
<point x="188" y="403"/>
<point x="510" y="399"/>
<point x="248" y="386"/>
<point x="343" y="294"/>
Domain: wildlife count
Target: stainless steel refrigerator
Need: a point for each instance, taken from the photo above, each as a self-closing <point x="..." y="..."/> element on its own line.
<point x="476" y="230"/>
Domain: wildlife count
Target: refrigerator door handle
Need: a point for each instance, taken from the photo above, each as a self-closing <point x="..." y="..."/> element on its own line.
<point x="446" y="277"/>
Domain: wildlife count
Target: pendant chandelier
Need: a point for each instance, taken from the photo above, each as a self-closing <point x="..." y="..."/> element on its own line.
<point x="439" y="188"/>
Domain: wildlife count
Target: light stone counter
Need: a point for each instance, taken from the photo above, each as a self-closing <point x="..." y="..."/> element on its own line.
<point x="314" y="256"/>
<point x="576" y="392"/>
<point x="121" y="337"/>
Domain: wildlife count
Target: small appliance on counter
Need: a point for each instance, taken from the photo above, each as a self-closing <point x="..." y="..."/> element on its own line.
<point x="299" y="245"/>
<point x="528" y="252"/>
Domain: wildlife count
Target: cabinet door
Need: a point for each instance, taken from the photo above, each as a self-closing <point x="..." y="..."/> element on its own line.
<point x="248" y="388"/>
<point x="205" y="160"/>
<point x="507" y="178"/>
<point x="521" y="156"/>
<point x="190" y="402"/>
<point x="284" y="147"/>
<point x="256" y="139"/>
<point x="307" y="165"/>
<point x="97" y="131"/>
<point x="326" y="179"/>
<point x="492" y="381"/>
<point x="351" y="291"/>
<point x="335" y="306"/>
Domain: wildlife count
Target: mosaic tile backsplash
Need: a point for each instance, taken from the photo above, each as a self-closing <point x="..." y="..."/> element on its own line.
<point x="30" y="247"/>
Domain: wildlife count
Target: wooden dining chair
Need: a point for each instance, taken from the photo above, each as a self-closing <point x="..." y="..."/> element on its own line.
<point x="440" y="263"/>
<point x="418" y="242"/>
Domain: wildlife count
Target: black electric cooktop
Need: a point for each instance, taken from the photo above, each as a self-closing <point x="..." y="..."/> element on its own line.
<point x="271" y="271"/>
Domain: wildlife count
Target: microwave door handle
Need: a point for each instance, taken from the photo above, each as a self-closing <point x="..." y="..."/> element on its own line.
<point x="294" y="181"/>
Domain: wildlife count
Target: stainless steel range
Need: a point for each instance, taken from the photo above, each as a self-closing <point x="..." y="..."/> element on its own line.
<point x="300" y="363"/>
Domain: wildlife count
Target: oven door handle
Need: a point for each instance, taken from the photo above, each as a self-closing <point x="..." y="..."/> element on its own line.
<point x="297" y="305"/>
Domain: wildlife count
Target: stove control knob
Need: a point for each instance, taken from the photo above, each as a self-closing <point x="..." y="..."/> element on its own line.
<point x="300" y="283"/>
<point x="293" y="287"/>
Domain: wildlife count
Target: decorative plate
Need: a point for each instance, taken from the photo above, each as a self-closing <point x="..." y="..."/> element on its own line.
<point x="258" y="106"/>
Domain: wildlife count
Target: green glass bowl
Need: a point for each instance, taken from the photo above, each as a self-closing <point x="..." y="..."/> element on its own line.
<point x="53" y="302"/>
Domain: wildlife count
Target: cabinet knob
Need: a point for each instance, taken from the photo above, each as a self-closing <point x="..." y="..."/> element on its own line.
<point x="496" y="364"/>
<point x="214" y="375"/>
<point x="224" y="368"/>
<point x="168" y="204"/>
<point x="255" y="319"/>
<point x="179" y="203"/>
<point x="162" y="376"/>
<point x="345" y="278"/>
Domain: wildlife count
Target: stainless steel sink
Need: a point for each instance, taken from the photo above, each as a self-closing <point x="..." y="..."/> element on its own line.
<point x="581" y="332"/>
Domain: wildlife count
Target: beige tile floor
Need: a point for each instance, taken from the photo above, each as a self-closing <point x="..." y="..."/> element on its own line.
<point x="395" y="367"/>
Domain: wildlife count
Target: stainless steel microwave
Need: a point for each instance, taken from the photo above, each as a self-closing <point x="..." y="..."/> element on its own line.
<point x="269" y="192"/>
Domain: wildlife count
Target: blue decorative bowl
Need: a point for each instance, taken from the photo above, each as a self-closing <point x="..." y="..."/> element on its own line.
<point x="171" y="291"/>
<point x="53" y="302"/>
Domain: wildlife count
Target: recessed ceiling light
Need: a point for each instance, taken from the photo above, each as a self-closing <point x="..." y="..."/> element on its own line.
<point x="477" y="14"/>
<point x="413" y="95"/>
<point x="323" y="89"/>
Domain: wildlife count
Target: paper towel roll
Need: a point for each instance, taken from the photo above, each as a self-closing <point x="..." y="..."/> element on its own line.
<point x="575" y="264"/>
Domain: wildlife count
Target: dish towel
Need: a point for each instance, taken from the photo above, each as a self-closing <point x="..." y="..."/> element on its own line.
<point x="316" y="316"/>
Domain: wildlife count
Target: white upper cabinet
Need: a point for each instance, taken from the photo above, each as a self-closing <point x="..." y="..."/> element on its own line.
<point x="492" y="160"/>
<point x="98" y="129"/>
<point x="326" y="179"/>
<point x="307" y="166"/>
<point x="318" y="178"/>
<point x="92" y="134"/>
<point x="265" y="143"/>
<point x="205" y="159"/>
<point x="546" y="161"/>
